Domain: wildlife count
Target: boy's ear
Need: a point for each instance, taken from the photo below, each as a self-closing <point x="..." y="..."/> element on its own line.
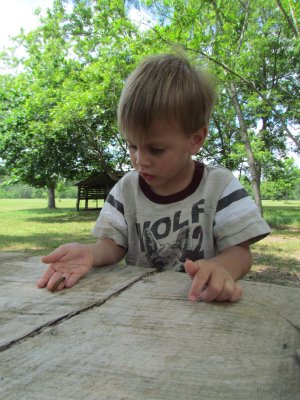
<point x="198" y="140"/>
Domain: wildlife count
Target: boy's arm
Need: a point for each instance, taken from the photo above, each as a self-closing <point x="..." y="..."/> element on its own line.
<point x="106" y="252"/>
<point x="70" y="262"/>
<point x="214" y="279"/>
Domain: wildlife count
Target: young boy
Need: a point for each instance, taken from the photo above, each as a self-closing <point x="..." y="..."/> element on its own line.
<point x="170" y="212"/>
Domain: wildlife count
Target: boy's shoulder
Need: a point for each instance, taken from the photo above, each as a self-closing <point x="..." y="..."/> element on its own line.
<point x="130" y="176"/>
<point x="217" y="167"/>
<point x="127" y="182"/>
<point x="217" y="171"/>
<point x="216" y="180"/>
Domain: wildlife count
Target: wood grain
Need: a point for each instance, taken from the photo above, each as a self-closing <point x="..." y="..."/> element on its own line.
<point x="149" y="342"/>
<point x="25" y="309"/>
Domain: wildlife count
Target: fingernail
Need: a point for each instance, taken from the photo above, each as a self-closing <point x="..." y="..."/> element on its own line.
<point x="192" y="298"/>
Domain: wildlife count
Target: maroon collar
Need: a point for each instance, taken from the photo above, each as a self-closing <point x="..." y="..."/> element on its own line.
<point x="173" y="198"/>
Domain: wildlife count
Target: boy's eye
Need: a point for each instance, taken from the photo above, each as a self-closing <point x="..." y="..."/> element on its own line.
<point x="155" y="150"/>
<point x="152" y="150"/>
<point x="131" y="147"/>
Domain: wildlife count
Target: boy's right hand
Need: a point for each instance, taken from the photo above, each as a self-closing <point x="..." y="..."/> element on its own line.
<point x="71" y="261"/>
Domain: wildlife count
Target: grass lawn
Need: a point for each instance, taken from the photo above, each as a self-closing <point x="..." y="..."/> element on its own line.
<point x="28" y="226"/>
<point x="276" y="258"/>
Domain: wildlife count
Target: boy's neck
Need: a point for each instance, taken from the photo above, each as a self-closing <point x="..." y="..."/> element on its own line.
<point x="178" y="195"/>
<point x="183" y="182"/>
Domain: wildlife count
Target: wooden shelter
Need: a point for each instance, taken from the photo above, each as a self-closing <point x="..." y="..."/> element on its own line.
<point x="96" y="187"/>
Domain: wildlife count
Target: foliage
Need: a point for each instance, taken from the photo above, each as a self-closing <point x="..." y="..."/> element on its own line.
<point x="58" y="112"/>
<point x="58" y="117"/>
<point x="34" y="151"/>
<point x="21" y="191"/>
<point x="64" y="190"/>
<point x="254" y="50"/>
<point x="283" y="181"/>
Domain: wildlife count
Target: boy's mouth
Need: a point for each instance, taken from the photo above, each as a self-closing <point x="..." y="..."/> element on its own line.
<point x="147" y="177"/>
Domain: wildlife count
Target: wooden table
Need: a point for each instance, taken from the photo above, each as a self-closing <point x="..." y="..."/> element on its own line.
<point x="131" y="333"/>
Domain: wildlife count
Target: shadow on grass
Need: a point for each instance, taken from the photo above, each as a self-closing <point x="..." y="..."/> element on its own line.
<point x="65" y="218"/>
<point x="274" y="276"/>
<point x="285" y="230"/>
<point x="59" y="215"/>
<point x="281" y="260"/>
<point x="281" y="216"/>
<point x="280" y="269"/>
<point x="40" y="243"/>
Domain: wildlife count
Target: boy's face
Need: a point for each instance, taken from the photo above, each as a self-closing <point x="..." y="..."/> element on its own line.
<point x="163" y="157"/>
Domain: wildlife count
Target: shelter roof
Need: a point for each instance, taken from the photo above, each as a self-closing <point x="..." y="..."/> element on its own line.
<point x="101" y="179"/>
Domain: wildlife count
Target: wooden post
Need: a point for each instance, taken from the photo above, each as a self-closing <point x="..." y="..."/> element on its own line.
<point x="78" y="198"/>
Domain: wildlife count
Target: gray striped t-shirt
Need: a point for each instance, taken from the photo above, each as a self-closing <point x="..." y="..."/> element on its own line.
<point x="213" y="213"/>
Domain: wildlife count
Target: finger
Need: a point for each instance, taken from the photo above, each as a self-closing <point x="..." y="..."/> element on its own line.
<point x="227" y="291"/>
<point x="56" y="282"/>
<point x="59" y="284"/>
<point x="190" y="268"/>
<point x="237" y="294"/>
<point x="214" y="288"/>
<point x="67" y="280"/>
<point x="44" y="279"/>
<point x="56" y="255"/>
<point x="72" y="280"/>
<point x="200" y="279"/>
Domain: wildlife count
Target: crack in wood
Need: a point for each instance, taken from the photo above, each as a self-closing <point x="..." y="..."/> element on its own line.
<point x="72" y="314"/>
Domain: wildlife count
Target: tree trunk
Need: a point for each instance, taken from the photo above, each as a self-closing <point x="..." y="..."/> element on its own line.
<point x="51" y="197"/>
<point x="255" y="179"/>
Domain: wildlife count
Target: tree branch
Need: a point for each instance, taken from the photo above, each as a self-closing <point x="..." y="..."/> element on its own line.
<point x="241" y="78"/>
<point x="287" y="18"/>
<point x="240" y="42"/>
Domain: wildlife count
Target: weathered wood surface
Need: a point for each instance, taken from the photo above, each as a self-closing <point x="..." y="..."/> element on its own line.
<point x="24" y="308"/>
<point x="149" y="342"/>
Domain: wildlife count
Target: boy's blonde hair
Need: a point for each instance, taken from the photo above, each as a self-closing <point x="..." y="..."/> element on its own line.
<point x="169" y="88"/>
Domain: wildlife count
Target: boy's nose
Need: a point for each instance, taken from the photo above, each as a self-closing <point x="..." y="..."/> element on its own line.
<point x="141" y="159"/>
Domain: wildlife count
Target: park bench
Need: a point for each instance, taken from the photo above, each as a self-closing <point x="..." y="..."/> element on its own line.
<point x="96" y="187"/>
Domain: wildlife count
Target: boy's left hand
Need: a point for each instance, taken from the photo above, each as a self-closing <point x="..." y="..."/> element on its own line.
<point x="211" y="282"/>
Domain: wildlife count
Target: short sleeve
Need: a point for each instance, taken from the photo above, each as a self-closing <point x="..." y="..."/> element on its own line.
<point x="237" y="218"/>
<point x="111" y="222"/>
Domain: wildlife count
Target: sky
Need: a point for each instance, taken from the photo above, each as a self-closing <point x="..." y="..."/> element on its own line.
<point x="15" y="14"/>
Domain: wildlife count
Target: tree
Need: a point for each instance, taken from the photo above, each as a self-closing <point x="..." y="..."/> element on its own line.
<point x="35" y="151"/>
<point x="66" y="97"/>
<point x="255" y="54"/>
<point x="62" y="124"/>
<point x="283" y="179"/>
